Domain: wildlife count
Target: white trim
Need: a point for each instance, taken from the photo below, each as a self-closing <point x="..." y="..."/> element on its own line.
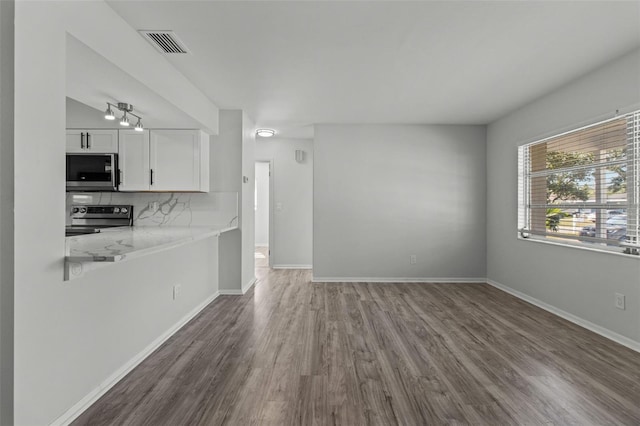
<point x="604" y="332"/>
<point x="262" y="245"/>
<point x="543" y="240"/>
<point x="72" y="413"/>
<point x="292" y="267"/>
<point x="231" y="292"/>
<point x="250" y="284"/>
<point x="398" y="280"/>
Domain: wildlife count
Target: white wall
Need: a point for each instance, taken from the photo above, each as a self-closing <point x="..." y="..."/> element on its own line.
<point x="247" y="215"/>
<point x="385" y="192"/>
<point x="577" y="281"/>
<point x="293" y="192"/>
<point x="232" y="156"/>
<point x="262" y="204"/>
<point x="80" y="115"/>
<point x="6" y="211"/>
<point x="70" y="336"/>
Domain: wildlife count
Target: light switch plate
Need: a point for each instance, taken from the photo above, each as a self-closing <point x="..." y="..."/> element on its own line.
<point x="619" y="301"/>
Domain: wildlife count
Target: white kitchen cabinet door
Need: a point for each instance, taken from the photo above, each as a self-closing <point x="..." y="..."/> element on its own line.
<point x="75" y="141"/>
<point x="179" y="160"/>
<point x="133" y="160"/>
<point x="92" y="140"/>
<point x="102" y="141"/>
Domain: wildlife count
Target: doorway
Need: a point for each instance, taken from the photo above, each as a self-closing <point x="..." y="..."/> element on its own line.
<point x="262" y="203"/>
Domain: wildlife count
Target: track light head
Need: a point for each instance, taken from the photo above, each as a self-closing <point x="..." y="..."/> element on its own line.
<point x="108" y="114"/>
<point x="124" y="121"/>
<point x="139" y="126"/>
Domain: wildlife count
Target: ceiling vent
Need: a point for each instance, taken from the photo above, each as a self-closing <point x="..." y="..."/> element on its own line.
<point x="165" y="41"/>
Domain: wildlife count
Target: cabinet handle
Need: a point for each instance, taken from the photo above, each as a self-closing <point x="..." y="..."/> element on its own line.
<point x="151" y="176"/>
<point x="88" y="141"/>
<point x="82" y="140"/>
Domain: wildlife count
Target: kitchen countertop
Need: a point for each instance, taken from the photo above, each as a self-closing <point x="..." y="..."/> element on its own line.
<point x="117" y="244"/>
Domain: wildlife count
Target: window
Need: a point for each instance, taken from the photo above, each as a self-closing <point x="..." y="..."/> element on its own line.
<point x="583" y="187"/>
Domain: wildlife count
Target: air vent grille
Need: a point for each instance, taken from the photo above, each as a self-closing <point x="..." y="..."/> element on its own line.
<point x="165" y="41"/>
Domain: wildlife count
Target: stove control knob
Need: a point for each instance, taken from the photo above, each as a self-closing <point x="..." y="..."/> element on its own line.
<point x="116" y="209"/>
<point x="124" y="210"/>
<point x="75" y="210"/>
<point x="83" y="209"/>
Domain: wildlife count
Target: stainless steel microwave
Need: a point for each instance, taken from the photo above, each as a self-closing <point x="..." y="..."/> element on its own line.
<point x="92" y="172"/>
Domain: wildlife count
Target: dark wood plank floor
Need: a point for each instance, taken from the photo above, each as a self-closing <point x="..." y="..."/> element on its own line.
<point x="291" y="352"/>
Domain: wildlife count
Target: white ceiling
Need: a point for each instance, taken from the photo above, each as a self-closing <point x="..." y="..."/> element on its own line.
<point x="292" y="64"/>
<point x="93" y="80"/>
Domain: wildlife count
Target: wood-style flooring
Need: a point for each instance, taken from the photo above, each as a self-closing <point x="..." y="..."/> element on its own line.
<point x="292" y="352"/>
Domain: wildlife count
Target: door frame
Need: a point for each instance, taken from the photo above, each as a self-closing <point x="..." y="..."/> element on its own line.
<point x="271" y="206"/>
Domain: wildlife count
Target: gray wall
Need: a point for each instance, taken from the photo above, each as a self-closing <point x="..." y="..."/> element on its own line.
<point x="385" y="192"/>
<point x="6" y="211"/>
<point x="575" y="280"/>
<point x="293" y="190"/>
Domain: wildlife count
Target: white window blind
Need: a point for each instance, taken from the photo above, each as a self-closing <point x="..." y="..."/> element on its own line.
<point x="583" y="187"/>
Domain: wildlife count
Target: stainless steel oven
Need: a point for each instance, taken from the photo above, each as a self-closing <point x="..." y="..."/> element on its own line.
<point x="92" y="172"/>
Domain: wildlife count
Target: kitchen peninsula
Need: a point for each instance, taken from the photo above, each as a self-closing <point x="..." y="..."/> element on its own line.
<point x="89" y="252"/>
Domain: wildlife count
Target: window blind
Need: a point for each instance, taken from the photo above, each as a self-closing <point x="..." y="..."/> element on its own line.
<point x="583" y="187"/>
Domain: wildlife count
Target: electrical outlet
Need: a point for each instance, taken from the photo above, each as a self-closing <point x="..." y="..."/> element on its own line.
<point x="413" y="259"/>
<point x="176" y="291"/>
<point x="619" y="301"/>
<point x="153" y="206"/>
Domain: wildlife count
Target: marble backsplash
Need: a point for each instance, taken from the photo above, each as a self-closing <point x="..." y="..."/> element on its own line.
<point x="167" y="208"/>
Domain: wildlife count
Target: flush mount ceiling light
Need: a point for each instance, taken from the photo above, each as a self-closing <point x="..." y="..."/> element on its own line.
<point x="265" y="133"/>
<point x="126" y="109"/>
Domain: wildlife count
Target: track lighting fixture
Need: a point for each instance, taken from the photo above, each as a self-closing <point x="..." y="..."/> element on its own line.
<point x="126" y="109"/>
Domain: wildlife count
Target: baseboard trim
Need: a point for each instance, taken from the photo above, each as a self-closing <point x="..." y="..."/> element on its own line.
<point x="398" y="280"/>
<point x="77" y="409"/>
<point x="604" y="332"/>
<point x="291" y="267"/>
<point x="250" y="284"/>
<point x="231" y="292"/>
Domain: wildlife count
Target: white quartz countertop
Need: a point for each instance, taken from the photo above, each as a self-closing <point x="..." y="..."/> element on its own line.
<point x="117" y="244"/>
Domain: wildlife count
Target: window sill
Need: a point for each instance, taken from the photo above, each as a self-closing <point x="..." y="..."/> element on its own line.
<point x="579" y="247"/>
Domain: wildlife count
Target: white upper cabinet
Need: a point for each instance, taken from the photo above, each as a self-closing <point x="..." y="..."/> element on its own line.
<point x="164" y="160"/>
<point x="179" y="160"/>
<point x="133" y="160"/>
<point x="92" y="140"/>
